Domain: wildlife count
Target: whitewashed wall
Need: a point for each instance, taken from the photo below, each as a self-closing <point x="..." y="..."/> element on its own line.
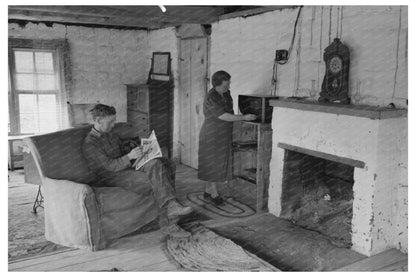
<point x="375" y="35"/>
<point x="102" y="60"/>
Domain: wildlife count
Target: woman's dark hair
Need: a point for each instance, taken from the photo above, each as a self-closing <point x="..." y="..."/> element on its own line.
<point x="219" y="77"/>
<point x="102" y="110"/>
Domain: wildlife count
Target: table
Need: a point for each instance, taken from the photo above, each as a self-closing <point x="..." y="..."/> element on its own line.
<point x="15" y="153"/>
<point x="19" y="153"/>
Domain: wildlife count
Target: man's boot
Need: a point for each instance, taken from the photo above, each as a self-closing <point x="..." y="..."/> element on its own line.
<point x="175" y="209"/>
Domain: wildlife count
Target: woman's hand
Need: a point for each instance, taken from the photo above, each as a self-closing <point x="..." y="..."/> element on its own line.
<point x="135" y="153"/>
<point x="249" y="117"/>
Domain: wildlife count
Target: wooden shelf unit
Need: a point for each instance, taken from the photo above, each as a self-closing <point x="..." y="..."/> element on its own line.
<point x="252" y="147"/>
<point x="149" y="107"/>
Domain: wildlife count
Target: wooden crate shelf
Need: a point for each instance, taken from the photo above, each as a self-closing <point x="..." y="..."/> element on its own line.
<point x="252" y="145"/>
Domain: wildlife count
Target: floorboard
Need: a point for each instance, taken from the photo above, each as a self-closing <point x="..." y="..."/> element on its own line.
<point x="386" y="261"/>
<point x="270" y="238"/>
<point x="144" y="252"/>
<point x="121" y="245"/>
<point x="398" y="266"/>
<point x="128" y="253"/>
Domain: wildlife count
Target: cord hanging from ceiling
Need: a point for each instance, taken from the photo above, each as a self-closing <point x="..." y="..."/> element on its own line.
<point x="281" y="62"/>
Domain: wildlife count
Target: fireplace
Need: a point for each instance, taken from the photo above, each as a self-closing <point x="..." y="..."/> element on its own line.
<point x="317" y="194"/>
<point x="340" y="165"/>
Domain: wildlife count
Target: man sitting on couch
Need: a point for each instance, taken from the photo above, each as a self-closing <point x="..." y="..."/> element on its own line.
<point x="105" y="156"/>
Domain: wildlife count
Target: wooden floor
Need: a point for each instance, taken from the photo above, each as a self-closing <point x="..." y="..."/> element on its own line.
<point x="144" y="252"/>
<point x="390" y="260"/>
<point x="138" y="253"/>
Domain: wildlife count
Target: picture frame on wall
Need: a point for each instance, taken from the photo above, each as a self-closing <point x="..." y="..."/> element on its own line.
<point x="160" y="68"/>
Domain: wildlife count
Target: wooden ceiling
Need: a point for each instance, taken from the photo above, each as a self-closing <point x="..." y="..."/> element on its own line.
<point x="146" y="17"/>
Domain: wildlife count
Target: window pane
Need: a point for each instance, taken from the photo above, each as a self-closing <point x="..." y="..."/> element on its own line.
<point x="25" y="81"/>
<point x="28" y="113"/>
<point x="44" y="62"/>
<point x="46" y="82"/>
<point x="48" y="117"/>
<point x="24" y="61"/>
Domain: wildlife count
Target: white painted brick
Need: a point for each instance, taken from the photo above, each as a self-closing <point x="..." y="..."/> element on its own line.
<point x="378" y="143"/>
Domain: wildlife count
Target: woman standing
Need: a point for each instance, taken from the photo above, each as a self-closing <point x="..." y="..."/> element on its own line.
<point x="215" y="138"/>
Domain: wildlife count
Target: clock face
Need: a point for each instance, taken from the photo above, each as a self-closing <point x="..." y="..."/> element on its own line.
<point x="335" y="64"/>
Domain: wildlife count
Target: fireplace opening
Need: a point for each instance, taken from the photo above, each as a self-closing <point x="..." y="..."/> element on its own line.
<point x="317" y="194"/>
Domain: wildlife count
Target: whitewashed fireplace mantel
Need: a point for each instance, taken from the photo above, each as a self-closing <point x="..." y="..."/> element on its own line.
<point x="372" y="139"/>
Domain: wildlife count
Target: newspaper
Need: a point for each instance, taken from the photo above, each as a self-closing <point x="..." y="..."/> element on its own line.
<point x="151" y="150"/>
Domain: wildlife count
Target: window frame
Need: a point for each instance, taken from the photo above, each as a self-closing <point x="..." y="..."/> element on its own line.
<point x="60" y="50"/>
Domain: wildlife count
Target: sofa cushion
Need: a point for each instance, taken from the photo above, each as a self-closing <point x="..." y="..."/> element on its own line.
<point x="113" y="199"/>
<point x="123" y="211"/>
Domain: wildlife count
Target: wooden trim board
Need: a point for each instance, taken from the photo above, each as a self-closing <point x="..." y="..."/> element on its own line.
<point x="338" y="159"/>
<point x="370" y="112"/>
<point x="255" y="11"/>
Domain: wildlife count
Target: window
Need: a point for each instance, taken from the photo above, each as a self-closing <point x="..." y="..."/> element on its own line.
<point x="36" y="83"/>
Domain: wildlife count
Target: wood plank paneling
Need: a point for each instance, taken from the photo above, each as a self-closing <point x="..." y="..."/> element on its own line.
<point x="184" y="94"/>
<point x="198" y="92"/>
<point x="193" y="87"/>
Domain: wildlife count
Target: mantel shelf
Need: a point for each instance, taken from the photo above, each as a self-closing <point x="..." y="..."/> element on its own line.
<point x="371" y="112"/>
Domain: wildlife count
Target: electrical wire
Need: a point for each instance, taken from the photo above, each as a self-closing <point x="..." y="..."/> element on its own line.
<point x="276" y="63"/>
<point x="294" y="34"/>
<point x="274" y="79"/>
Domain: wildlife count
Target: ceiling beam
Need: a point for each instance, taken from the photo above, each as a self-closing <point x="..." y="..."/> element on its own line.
<point x="129" y="16"/>
<point x="251" y="12"/>
<point x="127" y="11"/>
<point x="36" y="17"/>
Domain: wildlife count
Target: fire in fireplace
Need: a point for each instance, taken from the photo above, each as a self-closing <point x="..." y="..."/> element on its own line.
<point x="317" y="194"/>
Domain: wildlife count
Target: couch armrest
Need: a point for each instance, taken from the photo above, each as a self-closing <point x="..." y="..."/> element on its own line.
<point x="71" y="214"/>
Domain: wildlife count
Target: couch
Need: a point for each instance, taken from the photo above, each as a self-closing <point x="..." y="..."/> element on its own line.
<point x="78" y="211"/>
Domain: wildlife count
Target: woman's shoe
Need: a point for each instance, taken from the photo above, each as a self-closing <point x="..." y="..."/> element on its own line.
<point x="218" y="200"/>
